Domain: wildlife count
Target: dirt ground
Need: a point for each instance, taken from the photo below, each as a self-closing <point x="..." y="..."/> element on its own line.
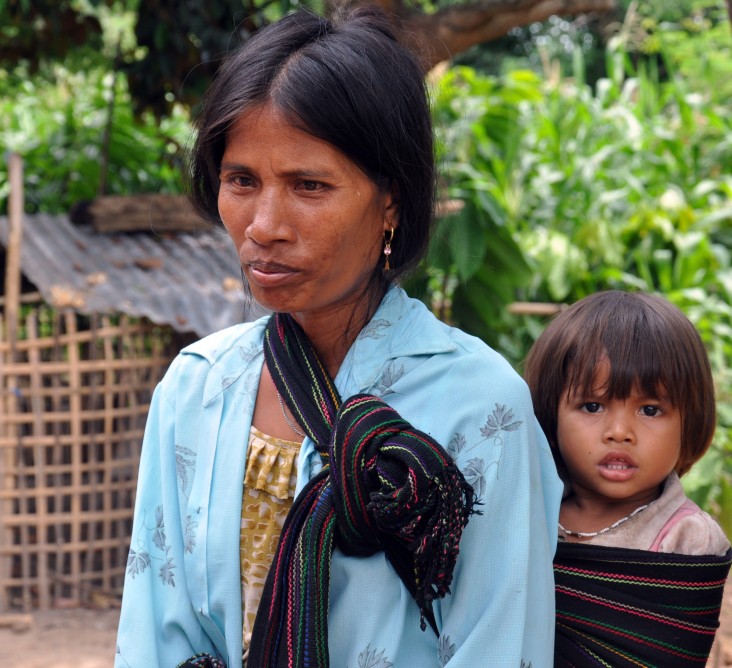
<point x="71" y="638"/>
<point x="84" y="638"/>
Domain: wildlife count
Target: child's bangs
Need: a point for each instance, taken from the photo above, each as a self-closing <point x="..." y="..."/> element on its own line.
<point x="637" y="364"/>
<point x="640" y="367"/>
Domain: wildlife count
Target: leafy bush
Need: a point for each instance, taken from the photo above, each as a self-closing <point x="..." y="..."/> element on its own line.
<point x="58" y="122"/>
<point x="624" y="185"/>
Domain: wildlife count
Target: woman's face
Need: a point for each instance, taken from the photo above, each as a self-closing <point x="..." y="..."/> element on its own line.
<point x="307" y="223"/>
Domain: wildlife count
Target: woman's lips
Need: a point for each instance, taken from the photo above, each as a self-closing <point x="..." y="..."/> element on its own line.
<point x="269" y="274"/>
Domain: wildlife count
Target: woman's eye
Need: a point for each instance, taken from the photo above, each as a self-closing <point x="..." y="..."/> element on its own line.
<point x="650" y="411"/>
<point x="237" y="180"/>
<point x="242" y="181"/>
<point x="309" y="186"/>
<point x="592" y="407"/>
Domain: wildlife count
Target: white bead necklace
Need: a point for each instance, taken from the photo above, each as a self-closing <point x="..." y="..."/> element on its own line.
<point x="592" y="534"/>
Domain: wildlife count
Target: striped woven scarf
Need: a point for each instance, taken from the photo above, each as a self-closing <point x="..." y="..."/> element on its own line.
<point x="619" y="607"/>
<point x="384" y="486"/>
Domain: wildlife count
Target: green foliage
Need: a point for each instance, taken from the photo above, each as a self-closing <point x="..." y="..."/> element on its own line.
<point x="624" y="184"/>
<point x="168" y="50"/>
<point x="52" y="27"/>
<point x="556" y="40"/>
<point x="58" y="122"/>
<point x="181" y="44"/>
<point x="690" y="36"/>
<point x="476" y="122"/>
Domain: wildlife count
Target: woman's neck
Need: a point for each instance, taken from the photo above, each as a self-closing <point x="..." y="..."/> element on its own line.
<point x="332" y="348"/>
<point x="332" y="334"/>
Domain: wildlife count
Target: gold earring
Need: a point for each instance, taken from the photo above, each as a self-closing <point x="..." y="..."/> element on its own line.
<point x="387" y="245"/>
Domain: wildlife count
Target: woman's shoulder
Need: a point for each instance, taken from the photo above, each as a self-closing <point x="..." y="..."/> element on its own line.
<point x="479" y="368"/>
<point x="453" y="365"/>
<point x="218" y="344"/>
<point x="212" y="360"/>
<point x="456" y="345"/>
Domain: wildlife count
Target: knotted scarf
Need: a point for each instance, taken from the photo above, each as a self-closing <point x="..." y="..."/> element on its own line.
<point x="202" y="660"/>
<point x="619" y="607"/>
<point x="384" y="486"/>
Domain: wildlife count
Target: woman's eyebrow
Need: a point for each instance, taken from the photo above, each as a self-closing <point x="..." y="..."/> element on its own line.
<point x="304" y="172"/>
<point x="232" y="166"/>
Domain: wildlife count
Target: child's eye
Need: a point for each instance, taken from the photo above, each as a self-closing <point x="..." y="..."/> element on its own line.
<point x="592" y="407"/>
<point x="650" y="411"/>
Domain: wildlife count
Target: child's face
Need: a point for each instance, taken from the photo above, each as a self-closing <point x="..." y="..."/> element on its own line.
<point x="620" y="449"/>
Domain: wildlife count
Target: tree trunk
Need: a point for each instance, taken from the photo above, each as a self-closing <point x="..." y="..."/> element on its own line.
<point x="453" y="29"/>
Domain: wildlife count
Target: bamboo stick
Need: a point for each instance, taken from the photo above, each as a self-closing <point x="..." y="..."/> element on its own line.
<point x="6" y="480"/>
<point x="76" y="431"/>
<point x="16" y="205"/>
<point x="41" y="517"/>
<point x="534" y="308"/>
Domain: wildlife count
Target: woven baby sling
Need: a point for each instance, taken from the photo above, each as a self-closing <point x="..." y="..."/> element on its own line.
<point x="384" y="486"/>
<point x="620" y="607"/>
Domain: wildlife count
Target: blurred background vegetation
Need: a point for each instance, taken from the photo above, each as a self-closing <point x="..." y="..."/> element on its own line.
<point x="588" y="152"/>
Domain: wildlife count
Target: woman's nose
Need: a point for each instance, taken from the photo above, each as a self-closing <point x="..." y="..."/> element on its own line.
<point x="268" y="222"/>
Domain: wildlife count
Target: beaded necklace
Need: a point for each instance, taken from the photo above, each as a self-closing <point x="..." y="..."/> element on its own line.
<point x="592" y="534"/>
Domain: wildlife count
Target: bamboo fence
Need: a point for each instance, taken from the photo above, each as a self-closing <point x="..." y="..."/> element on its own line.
<point x="73" y="405"/>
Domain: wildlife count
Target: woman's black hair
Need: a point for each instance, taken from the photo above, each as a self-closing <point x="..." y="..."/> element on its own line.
<point x="347" y="82"/>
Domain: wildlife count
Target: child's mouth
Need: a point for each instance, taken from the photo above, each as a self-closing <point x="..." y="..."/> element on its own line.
<point x="616" y="469"/>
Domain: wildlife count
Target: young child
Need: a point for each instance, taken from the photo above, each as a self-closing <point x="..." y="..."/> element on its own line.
<point x="622" y="387"/>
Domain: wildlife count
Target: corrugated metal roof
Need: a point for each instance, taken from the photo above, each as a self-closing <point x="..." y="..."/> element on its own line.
<point x="190" y="281"/>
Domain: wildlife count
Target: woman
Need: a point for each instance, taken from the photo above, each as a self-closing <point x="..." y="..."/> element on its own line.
<point x="344" y="411"/>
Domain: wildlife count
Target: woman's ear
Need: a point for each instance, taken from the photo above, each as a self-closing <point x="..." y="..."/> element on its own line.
<point x="391" y="208"/>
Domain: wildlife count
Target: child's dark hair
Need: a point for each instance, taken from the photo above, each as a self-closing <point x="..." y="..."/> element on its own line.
<point x="650" y="345"/>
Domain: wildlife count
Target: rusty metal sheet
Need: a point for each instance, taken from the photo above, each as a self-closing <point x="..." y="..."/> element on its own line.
<point x="190" y="281"/>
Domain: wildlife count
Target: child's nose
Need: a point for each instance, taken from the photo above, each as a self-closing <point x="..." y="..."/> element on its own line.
<point x="618" y="429"/>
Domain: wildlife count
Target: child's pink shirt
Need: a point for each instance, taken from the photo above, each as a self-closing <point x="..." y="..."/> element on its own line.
<point x="672" y="523"/>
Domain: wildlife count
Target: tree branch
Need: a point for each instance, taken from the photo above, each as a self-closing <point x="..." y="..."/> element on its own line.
<point x="451" y="30"/>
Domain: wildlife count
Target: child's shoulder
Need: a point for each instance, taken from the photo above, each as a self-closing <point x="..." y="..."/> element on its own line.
<point x="692" y="531"/>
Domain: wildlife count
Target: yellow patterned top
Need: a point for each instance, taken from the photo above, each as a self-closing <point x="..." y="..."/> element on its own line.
<point x="269" y="489"/>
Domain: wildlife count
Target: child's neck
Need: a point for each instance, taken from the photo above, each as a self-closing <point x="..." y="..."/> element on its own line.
<point x="590" y="515"/>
